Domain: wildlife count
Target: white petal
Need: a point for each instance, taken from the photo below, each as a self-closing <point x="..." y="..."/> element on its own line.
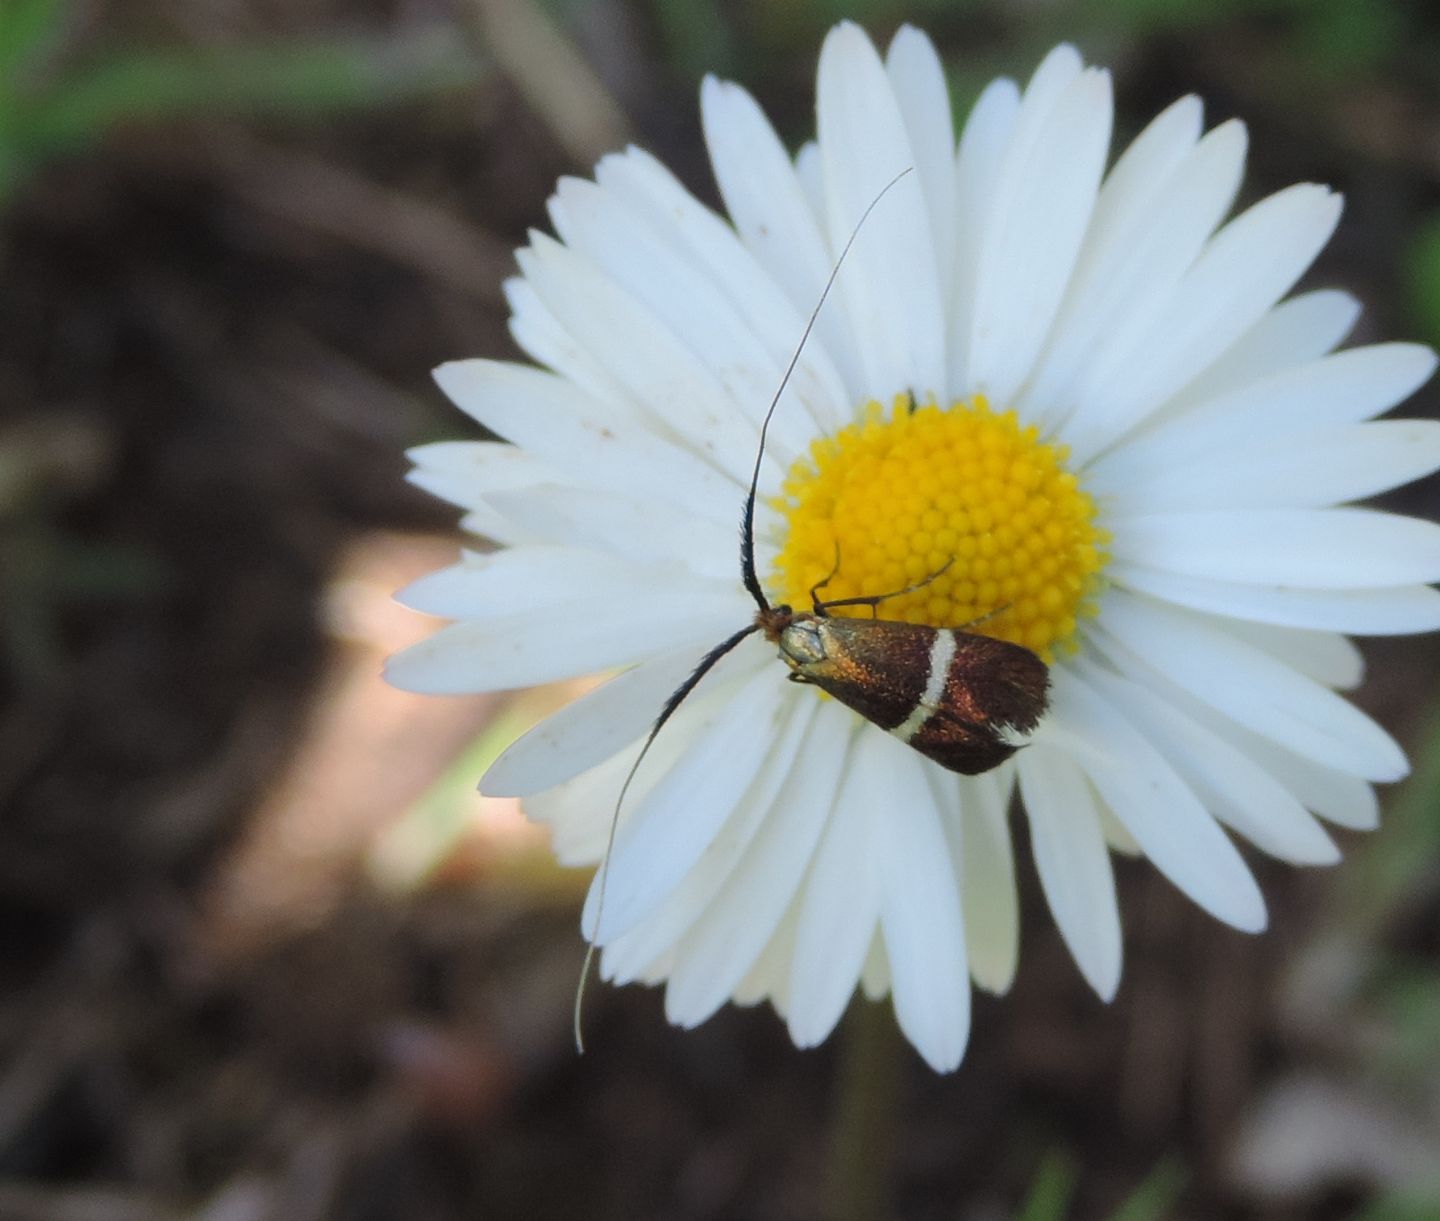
<point x="1072" y="861"/>
<point x="717" y="953"/>
<point x="598" y="724"/>
<point x="1300" y="329"/>
<point x="1039" y="212"/>
<point x="654" y="848"/>
<point x="811" y="173"/>
<point x="917" y="78"/>
<point x="1117" y="835"/>
<point x="1140" y="175"/>
<point x="640" y="348"/>
<point x="544" y="644"/>
<point x="1345" y="388"/>
<point x="863" y="146"/>
<point x="1323" y="466"/>
<point x="977" y="826"/>
<point x="1059" y="70"/>
<point x="983" y="143"/>
<point x="717" y="328"/>
<point x="1312" y="548"/>
<point x="519" y="579"/>
<point x="992" y="920"/>
<point x="1248" y="266"/>
<point x="550" y="418"/>
<point x="1247" y="685"/>
<point x="770" y="211"/>
<point x="1238" y="791"/>
<point x="841" y="906"/>
<point x="1338" y="797"/>
<point x="579" y="812"/>
<point x="1367" y="612"/>
<point x="1156" y="806"/>
<point x="540" y="334"/>
<point x="1143" y="239"/>
<point x="875" y="974"/>
<point x="1327" y="657"/>
<point x="687" y="902"/>
<point x="769" y="978"/>
<point x="1334" y="795"/>
<point x="622" y="526"/>
<point x="465" y="472"/>
<point x="815" y="386"/>
<point x="656" y="973"/>
<point x="920" y="916"/>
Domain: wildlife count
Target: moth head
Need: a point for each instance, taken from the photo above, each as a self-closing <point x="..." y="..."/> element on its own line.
<point x="802" y="642"/>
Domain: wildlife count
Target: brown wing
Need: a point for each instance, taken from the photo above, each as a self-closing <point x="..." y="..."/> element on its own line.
<point x="995" y="693"/>
<point x="879" y="668"/>
<point x="991" y="693"/>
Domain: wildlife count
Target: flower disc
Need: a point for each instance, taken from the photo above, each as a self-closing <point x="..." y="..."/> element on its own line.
<point x="962" y="514"/>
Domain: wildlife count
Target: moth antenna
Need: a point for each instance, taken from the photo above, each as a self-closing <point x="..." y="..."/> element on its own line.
<point x="747" y="520"/>
<point x="677" y="697"/>
<point x="752" y="584"/>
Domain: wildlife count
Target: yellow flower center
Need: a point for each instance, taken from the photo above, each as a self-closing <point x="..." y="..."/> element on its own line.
<point x="962" y="507"/>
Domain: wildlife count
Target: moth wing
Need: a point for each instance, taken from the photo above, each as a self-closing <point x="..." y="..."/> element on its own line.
<point x="969" y="719"/>
<point x="877" y="668"/>
<point x="994" y="695"/>
<point x="995" y="682"/>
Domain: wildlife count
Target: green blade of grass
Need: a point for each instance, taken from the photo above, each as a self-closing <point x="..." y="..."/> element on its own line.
<point x="289" y="79"/>
<point x="1422" y="272"/>
<point x="1157" y="1195"/>
<point x="1051" y="1190"/>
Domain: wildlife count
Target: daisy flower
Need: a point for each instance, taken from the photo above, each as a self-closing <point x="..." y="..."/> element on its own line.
<point x="1085" y="396"/>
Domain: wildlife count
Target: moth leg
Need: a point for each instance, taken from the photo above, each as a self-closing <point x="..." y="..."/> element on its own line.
<point x="985" y="618"/>
<point x="819" y="585"/>
<point x="823" y="608"/>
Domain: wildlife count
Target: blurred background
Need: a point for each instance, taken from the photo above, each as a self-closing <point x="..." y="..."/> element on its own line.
<point x="265" y="955"/>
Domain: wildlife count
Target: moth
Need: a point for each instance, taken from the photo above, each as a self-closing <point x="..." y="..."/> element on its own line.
<point x="964" y="700"/>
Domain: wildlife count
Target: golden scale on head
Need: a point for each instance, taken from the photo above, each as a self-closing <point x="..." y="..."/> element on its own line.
<point x="965" y="700"/>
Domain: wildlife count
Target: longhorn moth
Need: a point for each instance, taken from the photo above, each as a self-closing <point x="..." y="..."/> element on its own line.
<point x="964" y="700"/>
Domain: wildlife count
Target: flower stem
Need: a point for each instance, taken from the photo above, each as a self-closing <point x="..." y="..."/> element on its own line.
<point x="866" y="1103"/>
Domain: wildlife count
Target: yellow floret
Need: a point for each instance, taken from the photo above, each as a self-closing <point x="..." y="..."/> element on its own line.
<point x="961" y="502"/>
